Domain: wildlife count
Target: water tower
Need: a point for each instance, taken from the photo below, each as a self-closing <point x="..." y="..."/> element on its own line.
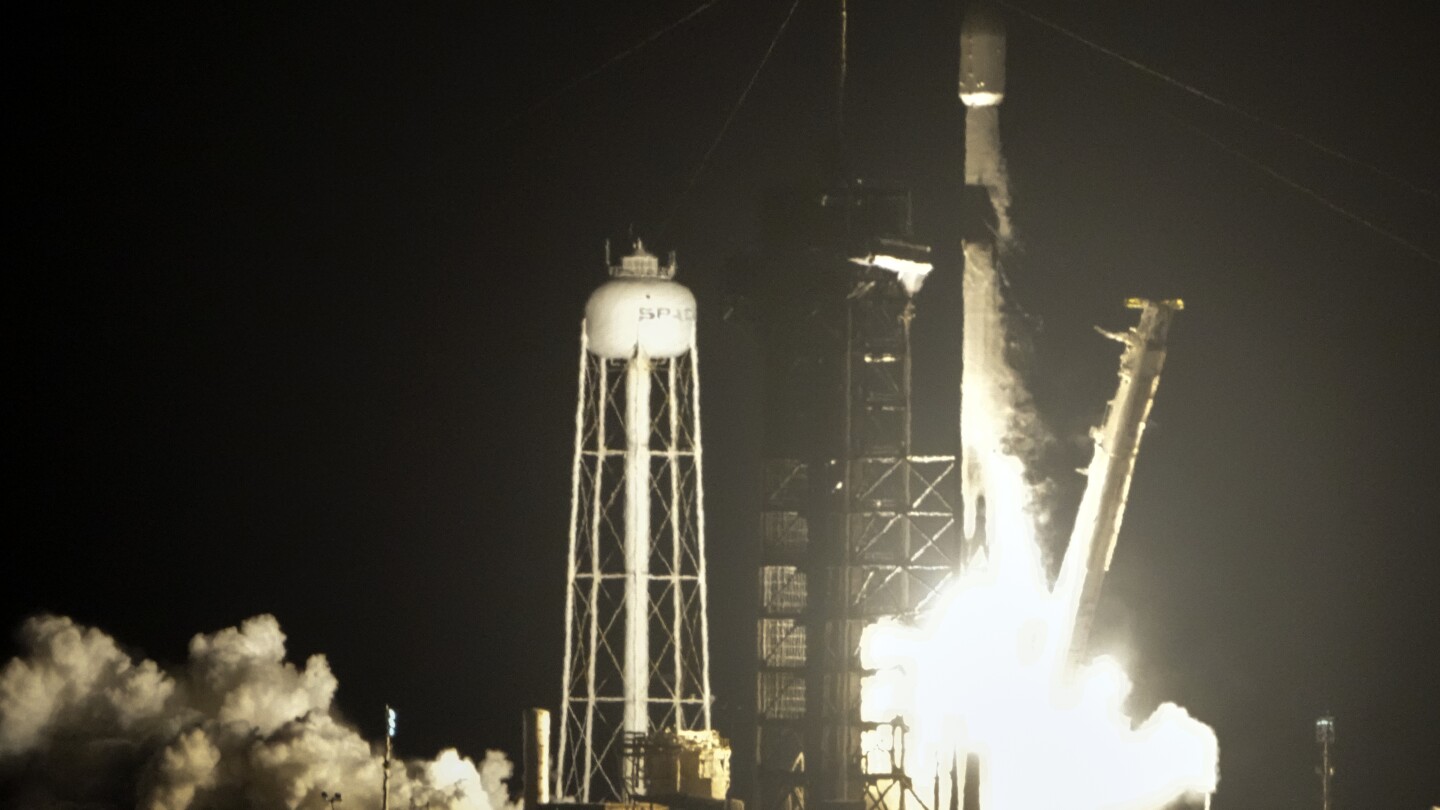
<point x="636" y="638"/>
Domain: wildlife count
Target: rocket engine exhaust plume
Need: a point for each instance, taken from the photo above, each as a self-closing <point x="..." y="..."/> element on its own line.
<point x="988" y="672"/>
<point x="83" y="724"/>
<point x="988" y="675"/>
<point x="979" y="676"/>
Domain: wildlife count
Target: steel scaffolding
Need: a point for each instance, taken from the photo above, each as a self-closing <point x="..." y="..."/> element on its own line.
<point x="854" y="525"/>
<point x="637" y="638"/>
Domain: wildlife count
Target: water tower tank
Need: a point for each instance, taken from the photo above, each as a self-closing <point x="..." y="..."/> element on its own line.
<point x="641" y="309"/>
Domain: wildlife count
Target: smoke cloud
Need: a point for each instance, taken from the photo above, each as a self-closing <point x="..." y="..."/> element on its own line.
<point x="85" y="725"/>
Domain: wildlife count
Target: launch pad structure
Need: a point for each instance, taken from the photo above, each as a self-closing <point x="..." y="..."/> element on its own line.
<point x="857" y="527"/>
<point x="856" y="524"/>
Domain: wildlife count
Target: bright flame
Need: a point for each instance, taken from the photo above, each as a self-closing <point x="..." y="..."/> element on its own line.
<point x="982" y="675"/>
<point x="986" y="672"/>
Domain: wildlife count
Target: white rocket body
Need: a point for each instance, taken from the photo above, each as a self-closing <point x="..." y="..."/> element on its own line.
<point x="982" y="58"/>
<point x="989" y="387"/>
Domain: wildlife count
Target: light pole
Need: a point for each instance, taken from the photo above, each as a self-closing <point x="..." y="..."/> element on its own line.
<point x="1325" y="735"/>
<point x="389" y="743"/>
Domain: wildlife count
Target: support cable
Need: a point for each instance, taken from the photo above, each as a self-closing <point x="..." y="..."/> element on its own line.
<point x="844" y="73"/>
<point x="720" y="136"/>
<point x="1201" y="94"/>
<point x="606" y="65"/>
<point x="1317" y="196"/>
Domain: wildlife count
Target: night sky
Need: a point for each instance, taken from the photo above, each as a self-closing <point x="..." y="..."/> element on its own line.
<point x="298" y="298"/>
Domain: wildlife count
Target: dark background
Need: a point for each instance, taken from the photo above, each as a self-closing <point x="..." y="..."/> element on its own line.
<point x="294" y="321"/>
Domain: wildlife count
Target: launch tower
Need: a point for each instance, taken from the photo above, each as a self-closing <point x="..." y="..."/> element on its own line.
<point x="854" y="525"/>
<point x="636" y="636"/>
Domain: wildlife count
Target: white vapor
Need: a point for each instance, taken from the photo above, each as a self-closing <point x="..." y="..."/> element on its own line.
<point x="83" y="724"/>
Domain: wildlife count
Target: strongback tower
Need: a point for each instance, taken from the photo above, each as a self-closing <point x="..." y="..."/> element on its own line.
<point x="636" y="637"/>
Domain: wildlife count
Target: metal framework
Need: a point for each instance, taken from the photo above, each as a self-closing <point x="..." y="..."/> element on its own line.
<point x="781" y="637"/>
<point x="893" y="543"/>
<point x="855" y="526"/>
<point x="637" y="636"/>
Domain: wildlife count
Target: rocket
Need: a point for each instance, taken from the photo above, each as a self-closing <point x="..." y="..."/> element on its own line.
<point x="988" y="384"/>
<point x="982" y="57"/>
<point x="982" y="88"/>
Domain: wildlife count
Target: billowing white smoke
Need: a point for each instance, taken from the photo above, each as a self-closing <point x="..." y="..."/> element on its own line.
<point x="985" y="673"/>
<point x="981" y="675"/>
<point x="82" y="724"/>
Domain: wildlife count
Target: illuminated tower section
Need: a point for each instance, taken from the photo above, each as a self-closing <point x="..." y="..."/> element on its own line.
<point x="855" y="527"/>
<point x="636" y="638"/>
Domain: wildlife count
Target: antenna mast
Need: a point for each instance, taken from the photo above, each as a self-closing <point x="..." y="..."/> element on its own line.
<point x="844" y="69"/>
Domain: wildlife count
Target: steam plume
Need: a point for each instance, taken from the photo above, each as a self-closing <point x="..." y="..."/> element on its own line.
<point x="83" y="724"/>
